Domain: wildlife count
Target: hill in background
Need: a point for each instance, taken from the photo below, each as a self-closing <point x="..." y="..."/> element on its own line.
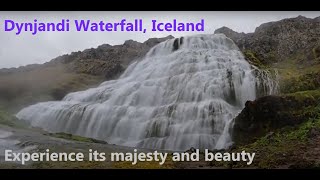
<point x="77" y="71"/>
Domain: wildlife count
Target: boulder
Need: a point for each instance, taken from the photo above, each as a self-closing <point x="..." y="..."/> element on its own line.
<point x="268" y="114"/>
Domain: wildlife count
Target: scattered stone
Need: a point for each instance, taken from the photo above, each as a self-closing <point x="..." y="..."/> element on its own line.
<point x="314" y="132"/>
<point x="269" y="135"/>
<point x="191" y="150"/>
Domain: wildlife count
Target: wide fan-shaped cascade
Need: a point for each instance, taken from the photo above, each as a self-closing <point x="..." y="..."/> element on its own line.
<point x="184" y="93"/>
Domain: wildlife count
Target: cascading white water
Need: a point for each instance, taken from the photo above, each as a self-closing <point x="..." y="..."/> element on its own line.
<point x="183" y="94"/>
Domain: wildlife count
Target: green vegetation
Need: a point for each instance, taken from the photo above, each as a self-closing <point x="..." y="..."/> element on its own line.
<point x="293" y="146"/>
<point x="272" y="57"/>
<point x="308" y="81"/>
<point x="21" y="89"/>
<point x="310" y="103"/>
<point x="252" y="59"/>
<point x="297" y="74"/>
<point x="299" y="78"/>
<point x="10" y="120"/>
<point x="286" y="145"/>
<point x="6" y="118"/>
<point x="303" y="95"/>
<point x="283" y="147"/>
<point x="76" y="138"/>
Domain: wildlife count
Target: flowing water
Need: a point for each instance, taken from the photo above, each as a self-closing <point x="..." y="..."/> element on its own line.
<point x="184" y="93"/>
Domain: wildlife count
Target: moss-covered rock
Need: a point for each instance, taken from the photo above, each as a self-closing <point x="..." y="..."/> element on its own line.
<point x="8" y="119"/>
<point x="253" y="60"/>
<point x="5" y="118"/>
<point x="286" y="148"/>
<point x="271" y="113"/>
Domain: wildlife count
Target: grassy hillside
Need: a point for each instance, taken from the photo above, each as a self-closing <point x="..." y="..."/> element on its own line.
<point x="76" y="71"/>
<point x="20" y="89"/>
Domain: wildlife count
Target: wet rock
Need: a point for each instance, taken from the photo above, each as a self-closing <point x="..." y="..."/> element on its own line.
<point x="176" y="44"/>
<point x="269" y="135"/>
<point x="191" y="150"/>
<point x="181" y="40"/>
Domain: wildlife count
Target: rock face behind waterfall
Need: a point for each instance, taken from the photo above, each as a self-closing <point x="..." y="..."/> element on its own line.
<point x="183" y="94"/>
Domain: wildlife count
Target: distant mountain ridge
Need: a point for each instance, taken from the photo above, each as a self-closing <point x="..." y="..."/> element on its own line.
<point x="276" y="41"/>
<point x="103" y="60"/>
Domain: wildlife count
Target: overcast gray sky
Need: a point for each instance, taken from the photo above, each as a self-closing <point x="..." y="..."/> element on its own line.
<point x="29" y="49"/>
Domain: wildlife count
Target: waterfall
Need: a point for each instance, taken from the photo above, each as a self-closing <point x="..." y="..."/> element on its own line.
<point x="184" y="93"/>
